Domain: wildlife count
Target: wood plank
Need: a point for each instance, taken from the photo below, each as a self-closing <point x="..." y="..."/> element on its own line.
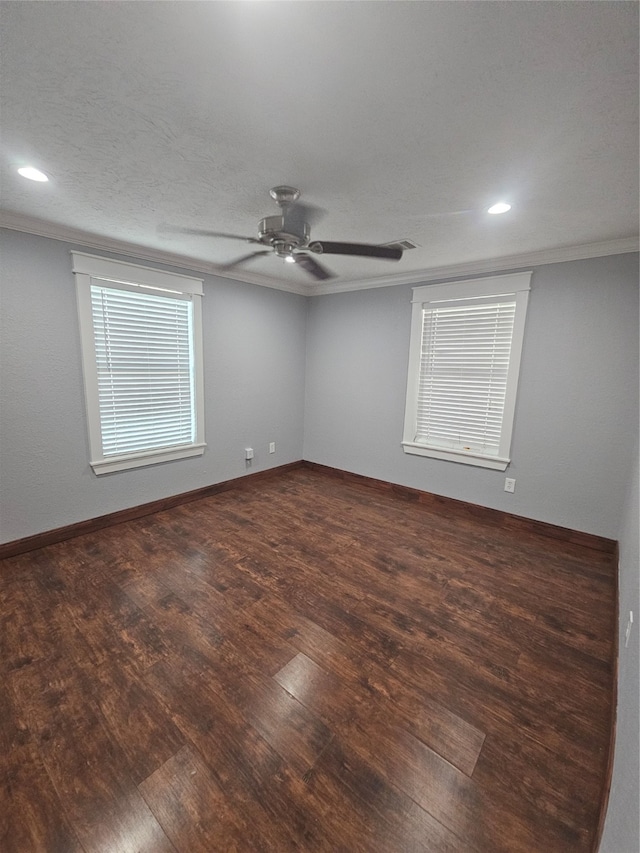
<point x="453" y="799"/>
<point x="249" y="645"/>
<point x="586" y="635"/>
<point x="252" y="774"/>
<point x="113" y="626"/>
<point x="339" y="703"/>
<point x="487" y="699"/>
<point x="191" y="807"/>
<point x="329" y="612"/>
<point x="86" y="767"/>
<point x="304" y="635"/>
<point x="136" y="721"/>
<point x="293" y="731"/>
<point x="322" y="692"/>
<point x="24" y="637"/>
<point x="32" y="817"/>
<point x="394" y="821"/>
<point x="412" y="694"/>
<point x="408" y="702"/>
<point x="527" y="772"/>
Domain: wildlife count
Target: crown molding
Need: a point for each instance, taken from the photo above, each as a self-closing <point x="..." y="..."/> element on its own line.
<point x="560" y="254"/>
<point x="43" y="228"/>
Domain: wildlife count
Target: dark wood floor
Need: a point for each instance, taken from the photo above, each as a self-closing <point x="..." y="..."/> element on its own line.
<point x="305" y="664"/>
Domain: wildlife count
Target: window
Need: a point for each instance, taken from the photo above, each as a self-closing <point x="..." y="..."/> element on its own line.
<point x="464" y="360"/>
<point x="141" y="332"/>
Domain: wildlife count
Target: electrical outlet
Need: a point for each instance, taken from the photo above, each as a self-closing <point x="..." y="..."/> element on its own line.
<point x="248" y="453"/>
<point x="627" y="633"/>
<point x="509" y="484"/>
<point x="272" y="447"/>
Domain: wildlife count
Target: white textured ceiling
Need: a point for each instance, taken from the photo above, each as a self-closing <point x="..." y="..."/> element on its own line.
<point x="400" y="119"/>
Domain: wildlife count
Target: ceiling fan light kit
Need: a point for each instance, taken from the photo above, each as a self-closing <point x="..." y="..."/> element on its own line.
<point x="288" y="236"/>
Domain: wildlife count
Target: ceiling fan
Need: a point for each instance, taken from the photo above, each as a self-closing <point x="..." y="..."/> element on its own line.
<point x="289" y="237"/>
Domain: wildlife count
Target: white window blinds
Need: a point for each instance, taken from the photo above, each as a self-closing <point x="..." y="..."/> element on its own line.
<point x="144" y="358"/>
<point x="464" y="365"/>
<point x="142" y="363"/>
<point x="464" y="362"/>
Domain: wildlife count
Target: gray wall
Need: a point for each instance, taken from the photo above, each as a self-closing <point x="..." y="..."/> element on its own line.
<point x="575" y="420"/>
<point x="622" y="826"/>
<point x="576" y="415"/>
<point x="254" y="351"/>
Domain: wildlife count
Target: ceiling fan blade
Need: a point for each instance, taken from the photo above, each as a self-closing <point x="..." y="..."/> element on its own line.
<point x="391" y="253"/>
<point x="312" y="266"/>
<point x="203" y="232"/>
<point x="245" y="258"/>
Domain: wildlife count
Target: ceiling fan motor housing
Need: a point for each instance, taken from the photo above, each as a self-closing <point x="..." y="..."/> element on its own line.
<point x="271" y="232"/>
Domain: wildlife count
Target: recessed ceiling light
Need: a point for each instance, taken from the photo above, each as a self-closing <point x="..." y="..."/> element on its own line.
<point x="500" y="207"/>
<point x="32" y="174"/>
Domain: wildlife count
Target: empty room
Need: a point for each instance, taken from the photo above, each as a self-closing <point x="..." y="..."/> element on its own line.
<point x="319" y="427"/>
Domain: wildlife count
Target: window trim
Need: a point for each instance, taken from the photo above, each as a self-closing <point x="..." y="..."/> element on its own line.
<point x="93" y="268"/>
<point x="513" y="284"/>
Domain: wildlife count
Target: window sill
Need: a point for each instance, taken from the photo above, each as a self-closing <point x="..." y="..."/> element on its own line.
<point x="152" y="457"/>
<point x="466" y="458"/>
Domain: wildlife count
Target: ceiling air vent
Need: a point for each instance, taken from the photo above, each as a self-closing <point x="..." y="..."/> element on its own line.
<point x="402" y="244"/>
